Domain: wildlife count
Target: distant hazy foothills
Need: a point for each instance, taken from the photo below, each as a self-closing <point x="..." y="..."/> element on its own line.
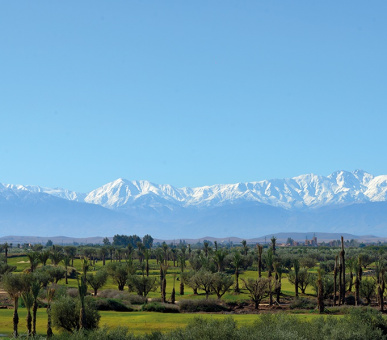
<point x="281" y="238"/>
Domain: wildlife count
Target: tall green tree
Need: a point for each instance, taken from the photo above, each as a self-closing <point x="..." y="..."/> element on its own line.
<point x="28" y="300"/>
<point x="36" y="286"/>
<point x="13" y="284"/>
<point x="237" y="261"/>
<point x="97" y="280"/>
<point x="259" y="250"/>
<point x="34" y="259"/>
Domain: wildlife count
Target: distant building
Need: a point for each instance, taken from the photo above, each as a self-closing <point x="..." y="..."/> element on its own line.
<point x="312" y="242"/>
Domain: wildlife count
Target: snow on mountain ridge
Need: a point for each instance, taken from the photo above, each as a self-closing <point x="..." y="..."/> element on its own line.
<point x="300" y="192"/>
<point x="58" y="192"/>
<point x="313" y="191"/>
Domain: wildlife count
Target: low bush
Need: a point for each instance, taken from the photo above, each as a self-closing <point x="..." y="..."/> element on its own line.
<point x="303" y="303"/>
<point x="201" y="306"/>
<point x="160" y="308"/>
<point x="137" y="299"/>
<point x="125" y="297"/>
<point x="112" y="304"/>
<point x="72" y="292"/>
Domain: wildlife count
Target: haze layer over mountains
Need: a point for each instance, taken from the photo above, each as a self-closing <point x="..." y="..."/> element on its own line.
<point x="354" y="202"/>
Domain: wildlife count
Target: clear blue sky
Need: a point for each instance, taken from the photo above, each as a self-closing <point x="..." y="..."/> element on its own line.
<point x="190" y="93"/>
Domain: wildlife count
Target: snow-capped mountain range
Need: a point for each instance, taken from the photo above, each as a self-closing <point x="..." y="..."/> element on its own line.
<point x="305" y="191"/>
<point x="145" y="204"/>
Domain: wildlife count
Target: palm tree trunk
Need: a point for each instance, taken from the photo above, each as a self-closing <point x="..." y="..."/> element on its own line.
<point x="320" y="297"/>
<point x="34" y="311"/>
<point x="49" y="329"/>
<point x="335" y="282"/>
<point x="237" y="280"/>
<point x="340" y="283"/>
<point x="82" y="318"/>
<point x="342" y="255"/>
<point x="15" y="318"/>
<point x="29" y="323"/>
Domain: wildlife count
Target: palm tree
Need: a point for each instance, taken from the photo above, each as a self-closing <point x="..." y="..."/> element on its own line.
<point x="163" y="280"/>
<point x="165" y="251"/>
<point x="35" y="289"/>
<point x="111" y="252"/>
<point x="44" y="256"/>
<point x="245" y="248"/>
<point x="102" y="253"/>
<point x="28" y="300"/>
<point x="260" y="249"/>
<point x="50" y="297"/>
<point x="182" y="266"/>
<point x="359" y="273"/>
<point x="147" y="255"/>
<point x="82" y="289"/>
<point x="335" y="281"/>
<point x="206" y="248"/>
<point x="34" y="258"/>
<point x="296" y="265"/>
<point x="269" y="261"/>
<point x="66" y="262"/>
<point x="14" y="285"/>
<point x="56" y="256"/>
<point x="352" y="265"/>
<point x="119" y="253"/>
<point x="140" y="251"/>
<point x="5" y="247"/>
<point x="129" y="250"/>
<point x="342" y="278"/>
<point x="70" y="251"/>
<point x="237" y="261"/>
<point x="273" y="244"/>
<point x="219" y="258"/>
<point x="278" y="277"/>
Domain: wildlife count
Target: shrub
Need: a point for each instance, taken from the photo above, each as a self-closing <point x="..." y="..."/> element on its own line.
<point x="65" y="313"/>
<point x="125" y="297"/>
<point x="201" y="306"/>
<point x="72" y="292"/>
<point x="160" y="308"/>
<point x="136" y="299"/>
<point x="112" y="304"/>
<point x="302" y="303"/>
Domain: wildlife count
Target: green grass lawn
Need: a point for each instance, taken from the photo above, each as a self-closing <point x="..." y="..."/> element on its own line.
<point x="137" y="322"/>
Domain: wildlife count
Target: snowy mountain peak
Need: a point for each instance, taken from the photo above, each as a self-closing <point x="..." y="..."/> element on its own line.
<point x="300" y="192"/>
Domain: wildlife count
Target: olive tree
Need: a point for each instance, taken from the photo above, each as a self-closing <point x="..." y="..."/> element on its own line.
<point x="221" y="283"/>
<point x="258" y="289"/>
<point x="142" y="285"/>
<point x="97" y="280"/>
